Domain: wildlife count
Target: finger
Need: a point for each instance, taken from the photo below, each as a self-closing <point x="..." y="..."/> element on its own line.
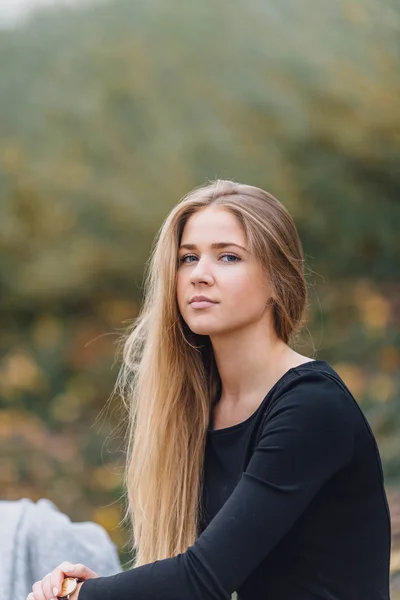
<point x="37" y="591"/>
<point x="46" y="587"/>
<point x="57" y="576"/>
<point x="84" y="572"/>
<point x="30" y="596"/>
<point x="67" y="569"/>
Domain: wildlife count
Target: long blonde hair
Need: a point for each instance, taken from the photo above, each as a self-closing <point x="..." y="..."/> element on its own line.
<point x="169" y="377"/>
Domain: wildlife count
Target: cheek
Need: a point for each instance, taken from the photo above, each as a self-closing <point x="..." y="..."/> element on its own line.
<point x="181" y="289"/>
<point x="242" y="285"/>
<point x="180" y="281"/>
<point x="245" y="293"/>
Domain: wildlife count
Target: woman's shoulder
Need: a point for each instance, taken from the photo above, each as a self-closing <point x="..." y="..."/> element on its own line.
<point x="310" y="406"/>
<point x="317" y="389"/>
<point x="316" y="376"/>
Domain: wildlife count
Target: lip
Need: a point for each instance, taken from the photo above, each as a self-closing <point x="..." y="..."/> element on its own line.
<point x="202" y="304"/>
<point x="198" y="299"/>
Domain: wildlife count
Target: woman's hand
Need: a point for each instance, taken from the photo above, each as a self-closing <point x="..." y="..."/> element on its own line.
<point x="50" y="586"/>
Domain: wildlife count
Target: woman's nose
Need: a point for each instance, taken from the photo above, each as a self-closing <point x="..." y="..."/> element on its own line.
<point x="201" y="272"/>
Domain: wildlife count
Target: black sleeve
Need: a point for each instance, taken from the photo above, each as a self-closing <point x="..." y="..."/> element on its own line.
<point x="306" y="438"/>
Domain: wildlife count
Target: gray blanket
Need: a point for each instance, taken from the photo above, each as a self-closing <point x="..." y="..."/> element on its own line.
<point x="35" y="537"/>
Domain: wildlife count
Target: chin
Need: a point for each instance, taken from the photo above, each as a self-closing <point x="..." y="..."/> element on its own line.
<point x="200" y="329"/>
<point x="207" y="329"/>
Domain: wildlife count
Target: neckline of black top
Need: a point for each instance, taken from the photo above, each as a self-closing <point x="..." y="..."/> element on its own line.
<point x="223" y="430"/>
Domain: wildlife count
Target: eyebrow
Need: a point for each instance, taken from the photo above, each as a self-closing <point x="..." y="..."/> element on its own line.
<point x="214" y="246"/>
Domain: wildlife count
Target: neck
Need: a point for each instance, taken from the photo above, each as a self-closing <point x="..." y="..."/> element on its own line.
<point x="249" y="360"/>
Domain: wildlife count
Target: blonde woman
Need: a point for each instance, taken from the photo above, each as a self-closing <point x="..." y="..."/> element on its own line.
<point x="251" y="467"/>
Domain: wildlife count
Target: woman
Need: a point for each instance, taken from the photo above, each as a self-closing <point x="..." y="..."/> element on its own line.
<point x="251" y="468"/>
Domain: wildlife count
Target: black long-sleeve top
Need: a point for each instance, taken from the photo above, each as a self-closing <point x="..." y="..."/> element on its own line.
<point x="294" y="506"/>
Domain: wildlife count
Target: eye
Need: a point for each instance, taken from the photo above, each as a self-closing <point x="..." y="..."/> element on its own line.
<point x="237" y="259"/>
<point x="183" y="259"/>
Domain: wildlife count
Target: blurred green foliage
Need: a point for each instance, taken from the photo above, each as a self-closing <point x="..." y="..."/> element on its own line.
<point x="108" y="115"/>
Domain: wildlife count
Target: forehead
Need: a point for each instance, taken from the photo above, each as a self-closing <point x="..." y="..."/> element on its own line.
<point x="212" y="224"/>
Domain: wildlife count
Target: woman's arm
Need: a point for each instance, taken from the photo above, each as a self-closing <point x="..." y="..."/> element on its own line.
<point x="306" y="438"/>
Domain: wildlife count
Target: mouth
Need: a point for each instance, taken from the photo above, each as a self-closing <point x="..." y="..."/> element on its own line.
<point x="202" y="304"/>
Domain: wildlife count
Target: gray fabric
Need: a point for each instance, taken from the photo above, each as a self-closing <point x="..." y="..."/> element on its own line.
<point x="35" y="537"/>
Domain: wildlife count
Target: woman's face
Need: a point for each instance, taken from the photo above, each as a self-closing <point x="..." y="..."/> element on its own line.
<point x="229" y="276"/>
